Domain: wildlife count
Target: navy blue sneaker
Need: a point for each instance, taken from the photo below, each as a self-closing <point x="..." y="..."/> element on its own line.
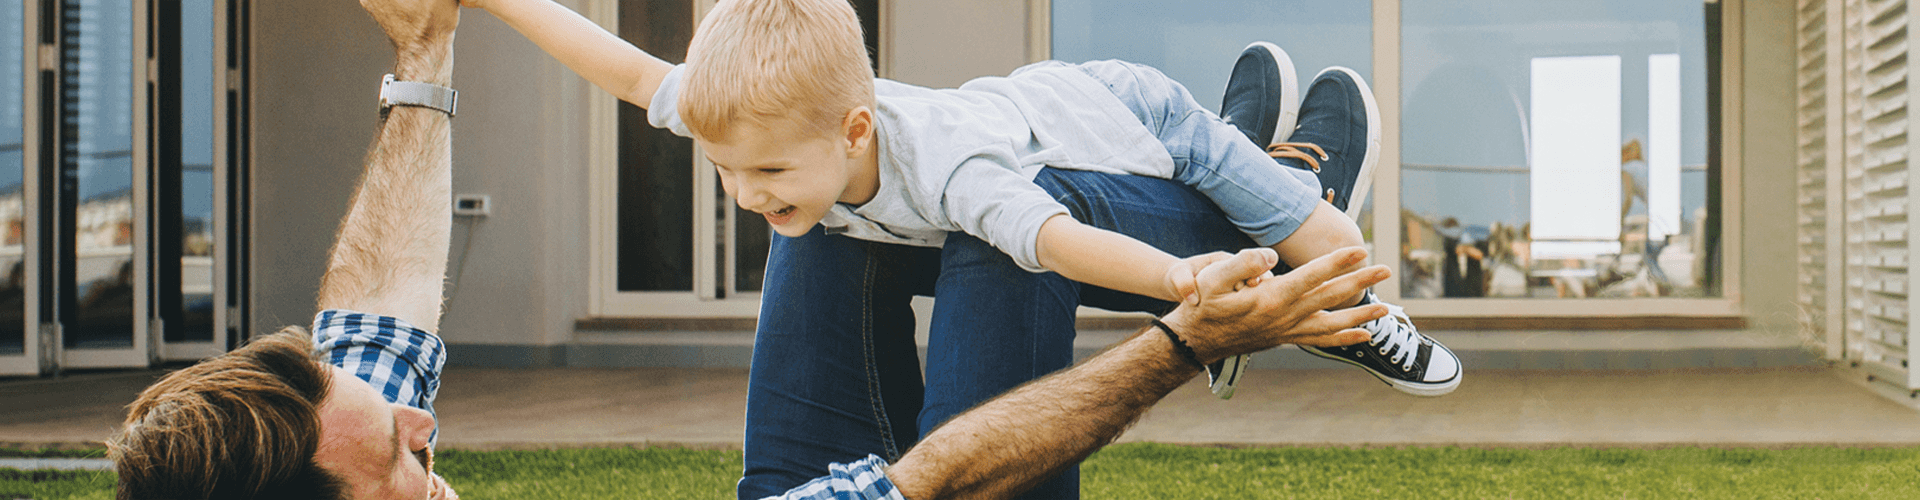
<point x="1338" y="138"/>
<point x="1263" y="94"/>
<point x="1263" y="101"/>
<point x="1399" y="355"/>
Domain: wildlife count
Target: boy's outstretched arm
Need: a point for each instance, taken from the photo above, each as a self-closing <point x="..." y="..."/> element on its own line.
<point x="603" y="58"/>
<point x="1108" y="259"/>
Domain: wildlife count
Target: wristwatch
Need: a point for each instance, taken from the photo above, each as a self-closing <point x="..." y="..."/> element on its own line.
<point x="425" y="95"/>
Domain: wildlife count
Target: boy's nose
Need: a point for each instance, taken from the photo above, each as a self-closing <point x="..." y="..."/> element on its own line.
<point x="750" y="198"/>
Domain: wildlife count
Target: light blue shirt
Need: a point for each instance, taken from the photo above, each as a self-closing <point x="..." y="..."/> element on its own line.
<point x="964" y="159"/>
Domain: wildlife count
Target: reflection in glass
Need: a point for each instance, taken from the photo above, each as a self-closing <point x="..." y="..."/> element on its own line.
<point x="194" y="320"/>
<point x="13" y="334"/>
<point x="97" y="157"/>
<point x="1513" y="112"/>
<point x="1196" y="42"/>
<point x="653" y="229"/>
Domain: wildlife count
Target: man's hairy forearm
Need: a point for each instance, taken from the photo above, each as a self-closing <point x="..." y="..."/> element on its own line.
<point x="1014" y="442"/>
<point x="391" y="254"/>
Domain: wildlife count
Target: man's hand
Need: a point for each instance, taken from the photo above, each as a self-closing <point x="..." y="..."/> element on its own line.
<point x="416" y="25"/>
<point x="1237" y="308"/>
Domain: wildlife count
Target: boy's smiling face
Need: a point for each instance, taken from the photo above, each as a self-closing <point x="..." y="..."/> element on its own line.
<point x="793" y="175"/>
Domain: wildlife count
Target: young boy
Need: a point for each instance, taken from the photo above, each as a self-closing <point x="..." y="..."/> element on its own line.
<point x="780" y="96"/>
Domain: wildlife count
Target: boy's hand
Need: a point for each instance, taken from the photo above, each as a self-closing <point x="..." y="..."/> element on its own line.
<point x="1226" y="317"/>
<point x="1181" y="276"/>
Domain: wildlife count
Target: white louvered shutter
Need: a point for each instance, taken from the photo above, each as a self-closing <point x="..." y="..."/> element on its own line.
<point x="1878" y="159"/>
<point x="1817" y="60"/>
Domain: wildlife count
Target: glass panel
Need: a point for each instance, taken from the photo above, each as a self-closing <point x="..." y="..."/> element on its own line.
<point x="752" y="239"/>
<point x="1504" y="100"/>
<point x="97" y="156"/>
<point x="13" y="291"/>
<point x="194" y="320"/>
<point x="1196" y="43"/>
<point x="655" y="245"/>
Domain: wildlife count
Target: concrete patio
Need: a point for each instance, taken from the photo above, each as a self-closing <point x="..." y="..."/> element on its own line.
<point x="538" y="408"/>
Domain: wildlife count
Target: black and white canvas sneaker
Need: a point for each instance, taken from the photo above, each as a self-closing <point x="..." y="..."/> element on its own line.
<point x="1399" y="355"/>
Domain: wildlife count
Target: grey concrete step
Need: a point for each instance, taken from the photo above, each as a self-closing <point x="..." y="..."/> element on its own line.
<point x="1573" y="350"/>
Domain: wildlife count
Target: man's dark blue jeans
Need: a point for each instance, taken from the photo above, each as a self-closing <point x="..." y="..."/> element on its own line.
<point x="836" y="372"/>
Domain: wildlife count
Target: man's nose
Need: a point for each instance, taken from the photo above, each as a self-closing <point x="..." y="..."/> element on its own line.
<point x="414" y="425"/>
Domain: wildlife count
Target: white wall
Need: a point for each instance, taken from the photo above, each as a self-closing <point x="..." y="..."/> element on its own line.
<point x="938" y="43"/>
<point x="519" y="137"/>
<point x="1767" y="178"/>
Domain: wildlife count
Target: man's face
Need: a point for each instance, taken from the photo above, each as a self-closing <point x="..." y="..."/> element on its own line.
<point x="377" y="447"/>
<point x="789" y="174"/>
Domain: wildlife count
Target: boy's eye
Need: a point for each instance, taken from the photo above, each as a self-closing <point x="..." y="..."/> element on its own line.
<point x="770" y="170"/>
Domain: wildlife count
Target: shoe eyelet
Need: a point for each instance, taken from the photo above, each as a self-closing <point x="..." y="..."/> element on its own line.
<point x="1316" y="168"/>
<point x="1383" y="351"/>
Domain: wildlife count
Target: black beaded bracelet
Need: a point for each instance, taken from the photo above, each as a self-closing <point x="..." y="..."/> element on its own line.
<point x="1179" y="346"/>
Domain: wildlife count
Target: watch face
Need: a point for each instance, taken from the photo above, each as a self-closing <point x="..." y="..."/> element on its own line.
<point x="386" y="84"/>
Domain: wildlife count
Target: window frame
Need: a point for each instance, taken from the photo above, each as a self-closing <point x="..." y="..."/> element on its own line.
<point x="47" y="230"/>
<point x="1386" y="60"/>
<point x="713" y="295"/>
<point x="1386" y="197"/>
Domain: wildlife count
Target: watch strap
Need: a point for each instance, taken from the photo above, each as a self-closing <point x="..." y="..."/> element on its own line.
<point x="425" y="95"/>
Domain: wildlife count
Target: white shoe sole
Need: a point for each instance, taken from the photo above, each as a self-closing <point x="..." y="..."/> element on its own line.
<point x="1289" y="91"/>
<point x="1414" y="388"/>
<point x="1363" y="182"/>
<point x="1229" y="377"/>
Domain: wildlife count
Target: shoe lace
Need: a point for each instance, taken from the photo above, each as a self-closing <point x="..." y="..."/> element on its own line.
<point x="1395" y="336"/>
<point x="1293" y="150"/>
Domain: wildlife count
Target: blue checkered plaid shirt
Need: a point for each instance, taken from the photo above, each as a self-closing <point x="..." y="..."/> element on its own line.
<point x="862" y="480"/>
<point x="400" y="360"/>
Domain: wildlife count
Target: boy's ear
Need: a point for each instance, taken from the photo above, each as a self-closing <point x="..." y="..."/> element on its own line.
<point x="858" y="131"/>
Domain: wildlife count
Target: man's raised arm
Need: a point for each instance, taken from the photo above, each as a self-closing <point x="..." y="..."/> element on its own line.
<point x="391" y="254"/>
<point x="1019" y="439"/>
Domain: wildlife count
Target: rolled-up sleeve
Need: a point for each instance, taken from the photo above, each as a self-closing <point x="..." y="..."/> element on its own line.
<point x="862" y="480"/>
<point x="400" y="360"/>
<point x="664" y="110"/>
<point x="1001" y="206"/>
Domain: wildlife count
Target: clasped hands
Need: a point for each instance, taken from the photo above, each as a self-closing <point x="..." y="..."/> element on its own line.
<point x="1233" y="304"/>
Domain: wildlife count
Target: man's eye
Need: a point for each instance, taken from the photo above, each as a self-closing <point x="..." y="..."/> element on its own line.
<point x="771" y="171"/>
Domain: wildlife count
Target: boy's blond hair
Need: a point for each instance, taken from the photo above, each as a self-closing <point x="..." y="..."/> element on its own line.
<point x="759" y="61"/>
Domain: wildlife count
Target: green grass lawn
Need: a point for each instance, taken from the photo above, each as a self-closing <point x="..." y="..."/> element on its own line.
<point x="1178" y="472"/>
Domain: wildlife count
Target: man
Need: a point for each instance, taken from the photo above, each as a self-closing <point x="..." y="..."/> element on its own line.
<point x="288" y="415"/>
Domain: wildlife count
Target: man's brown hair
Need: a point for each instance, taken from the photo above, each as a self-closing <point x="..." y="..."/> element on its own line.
<point x="241" y="425"/>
